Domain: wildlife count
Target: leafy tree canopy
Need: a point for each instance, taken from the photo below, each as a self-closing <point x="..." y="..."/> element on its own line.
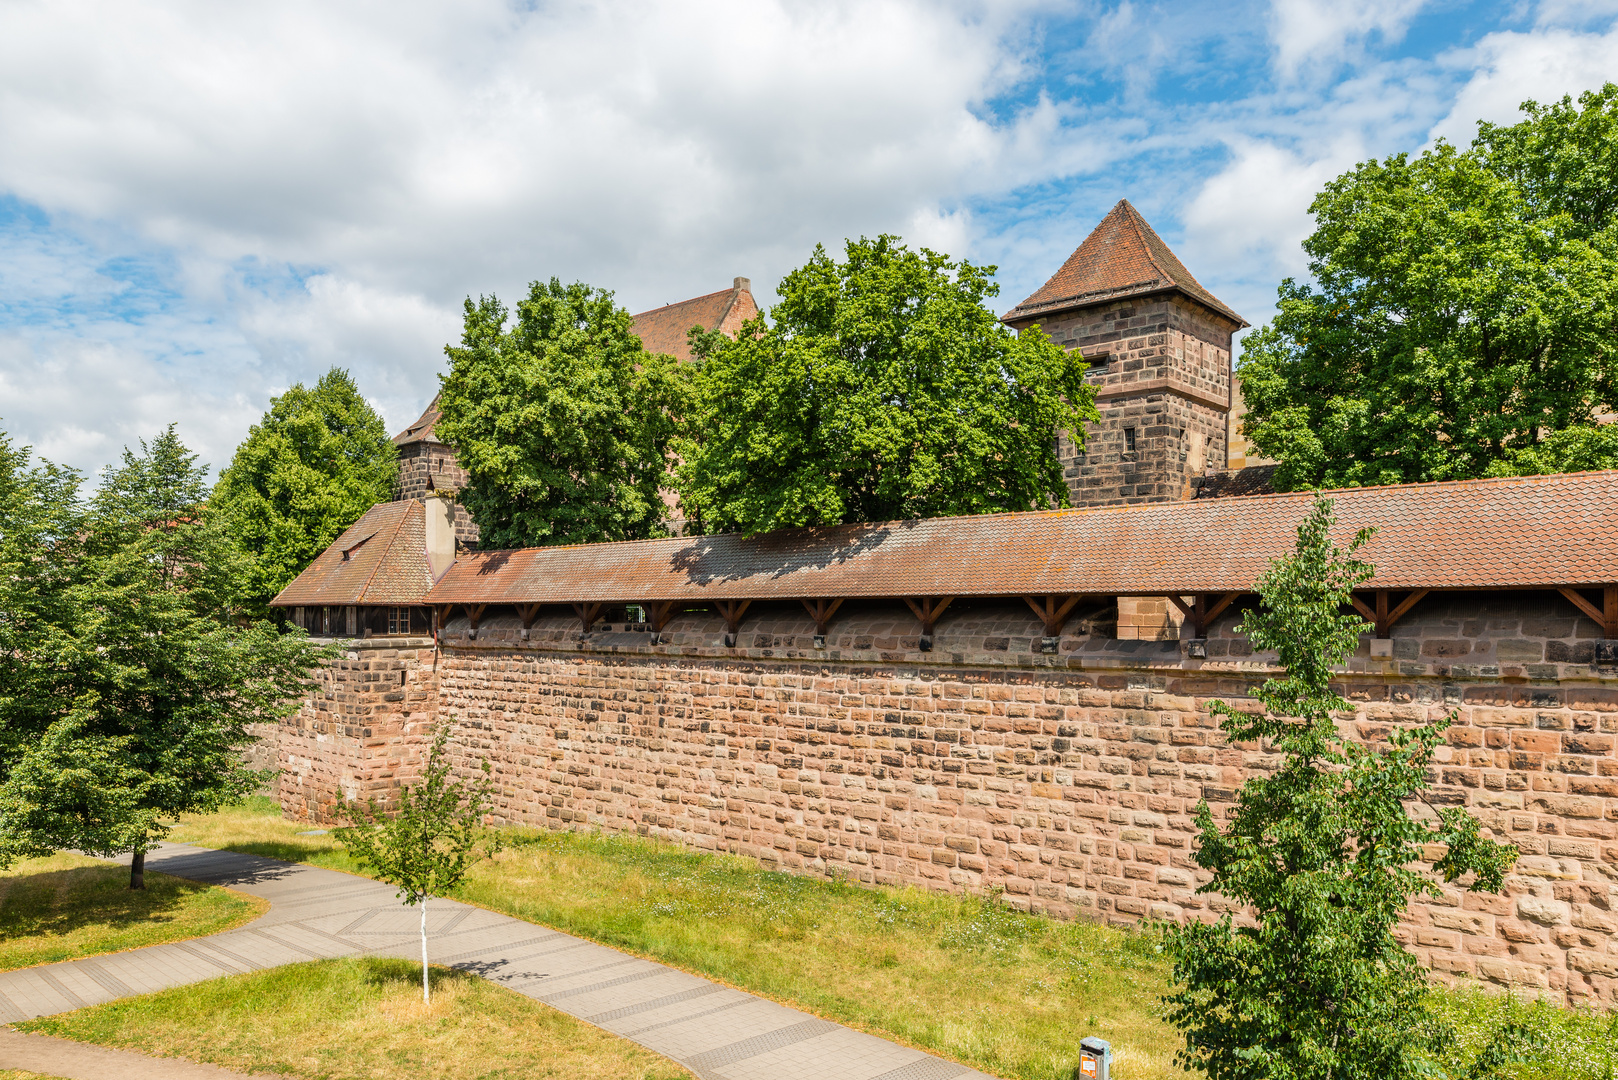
<point x="1325" y="852"/>
<point x="882" y="389"/>
<point x="1466" y="311"/>
<point x="318" y="460"/>
<point x="128" y="687"/>
<point x="562" y="419"/>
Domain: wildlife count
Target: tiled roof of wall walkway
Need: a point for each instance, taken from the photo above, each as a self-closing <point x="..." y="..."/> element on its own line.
<point x="1522" y="532"/>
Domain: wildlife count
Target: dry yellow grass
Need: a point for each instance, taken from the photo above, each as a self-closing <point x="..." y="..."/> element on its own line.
<point x="362" y="1020"/>
<point x="67" y="906"/>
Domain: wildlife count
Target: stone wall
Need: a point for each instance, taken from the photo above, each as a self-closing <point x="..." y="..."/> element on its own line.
<point x="425" y="467"/>
<point x="1161" y="369"/>
<point x="361" y="731"/>
<point x="1069" y="780"/>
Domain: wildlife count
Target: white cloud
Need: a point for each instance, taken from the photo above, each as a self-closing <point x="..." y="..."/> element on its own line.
<point x="1308" y="32"/>
<point x="401" y="156"/>
<point x="1258" y="205"/>
<point x="80" y="402"/>
<point x="1509" y="68"/>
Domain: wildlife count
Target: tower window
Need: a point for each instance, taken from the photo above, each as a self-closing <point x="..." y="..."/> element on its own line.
<point x="1129" y="439"/>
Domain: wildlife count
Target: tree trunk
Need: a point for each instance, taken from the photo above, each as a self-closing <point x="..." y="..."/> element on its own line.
<point x="425" y="999"/>
<point x="137" y="870"/>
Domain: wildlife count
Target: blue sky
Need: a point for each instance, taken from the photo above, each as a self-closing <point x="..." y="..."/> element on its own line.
<point x="202" y="204"/>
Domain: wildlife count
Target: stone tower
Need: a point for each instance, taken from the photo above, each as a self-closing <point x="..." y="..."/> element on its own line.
<point x="1158" y="345"/>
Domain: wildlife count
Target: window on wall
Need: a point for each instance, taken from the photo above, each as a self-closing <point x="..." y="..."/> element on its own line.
<point x="398" y="620"/>
<point x="1129" y="438"/>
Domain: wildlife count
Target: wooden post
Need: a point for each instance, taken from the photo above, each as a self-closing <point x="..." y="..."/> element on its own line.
<point x="821" y="611"/>
<point x="928" y="609"/>
<point x="1605" y="616"/>
<point x="1199" y="614"/>
<point x="588" y="614"/>
<point x="658" y="613"/>
<point x="527" y="613"/>
<point x="1053" y="612"/>
<point x="474" y="613"/>
<point x="732" y="611"/>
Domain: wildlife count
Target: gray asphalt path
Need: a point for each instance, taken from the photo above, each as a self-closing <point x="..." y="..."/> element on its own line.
<point x="716" y="1032"/>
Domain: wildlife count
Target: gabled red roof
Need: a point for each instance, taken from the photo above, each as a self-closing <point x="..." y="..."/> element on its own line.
<point x="422" y="429"/>
<point x="664" y="329"/>
<point x="1521" y="532"/>
<point x="1122" y="256"/>
<point x="380" y="559"/>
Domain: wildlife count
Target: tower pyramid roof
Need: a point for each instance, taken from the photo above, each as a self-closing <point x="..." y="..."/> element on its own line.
<point x="1122" y="256"/>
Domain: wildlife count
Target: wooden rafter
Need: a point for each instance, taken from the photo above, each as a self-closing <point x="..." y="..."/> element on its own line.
<point x="1606" y="615"/>
<point x="928" y="609"/>
<point x="474" y="615"/>
<point x="821" y="610"/>
<point x="1199" y="614"/>
<point x="1053" y="611"/>
<point x="588" y="614"/>
<point x="732" y="611"/>
<point x="1386" y="614"/>
<point x="658" y="613"/>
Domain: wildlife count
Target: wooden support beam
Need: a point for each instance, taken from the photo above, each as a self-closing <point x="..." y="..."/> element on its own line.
<point x="1403" y="609"/>
<point x="1053" y="611"/>
<point x="658" y="614"/>
<point x="527" y="613"/>
<point x="588" y="615"/>
<point x="1605" y="616"/>
<point x="474" y="614"/>
<point x="441" y="613"/>
<point x="1386" y="614"/>
<point x="732" y="611"/>
<point x="928" y="609"/>
<point x="821" y="610"/>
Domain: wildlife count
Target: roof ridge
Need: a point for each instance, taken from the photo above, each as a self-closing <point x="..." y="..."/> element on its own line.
<point x="682" y="303"/>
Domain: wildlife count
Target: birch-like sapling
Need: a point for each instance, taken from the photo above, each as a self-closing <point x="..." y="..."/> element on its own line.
<point x="432" y="840"/>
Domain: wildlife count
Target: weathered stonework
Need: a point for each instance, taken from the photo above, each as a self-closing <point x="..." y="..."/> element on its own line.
<point x="361" y="730"/>
<point x="1067" y="779"/>
<point x="1162" y="371"/>
<point x="426" y="466"/>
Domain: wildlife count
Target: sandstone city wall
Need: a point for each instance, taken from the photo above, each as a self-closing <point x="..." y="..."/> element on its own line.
<point x="1068" y="780"/>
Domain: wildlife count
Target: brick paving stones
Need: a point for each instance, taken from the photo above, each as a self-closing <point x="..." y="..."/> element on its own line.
<point x="717" y="1032"/>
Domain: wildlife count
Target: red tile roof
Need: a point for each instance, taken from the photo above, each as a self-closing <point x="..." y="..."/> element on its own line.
<point x="1122" y="256"/>
<point x="1522" y="532"/>
<point x="664" y="329"/>
<point x="422" y="429"/>
<point x="380" y="559"/>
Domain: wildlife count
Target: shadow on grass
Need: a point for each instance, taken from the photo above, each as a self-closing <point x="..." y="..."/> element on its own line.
<point x="60" y="902"/>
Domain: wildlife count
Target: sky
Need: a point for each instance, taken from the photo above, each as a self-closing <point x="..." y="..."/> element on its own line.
<point x="203" y="204"/>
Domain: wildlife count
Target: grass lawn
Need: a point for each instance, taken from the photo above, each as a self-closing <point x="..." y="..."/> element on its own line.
<point x="363" y="1018"/>
<point x="68" y="906"/>
<point x="1007" y="993"/>
<point x="975" y="982"/>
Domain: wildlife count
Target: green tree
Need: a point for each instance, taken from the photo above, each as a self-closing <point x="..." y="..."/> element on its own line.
<point x="1324" y="854"/>
<point x="1466" y="309"/>
<point x="317" y="460"/>
<point x="562" y="420"/>
<point x="883" y="389"/>
<point x="131" y="687"/>
<point x="431" y="841"/>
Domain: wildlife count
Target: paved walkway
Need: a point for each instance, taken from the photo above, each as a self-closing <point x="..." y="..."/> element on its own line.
<point x="716" y="1032"/>
<point x="82" y="1061"/>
